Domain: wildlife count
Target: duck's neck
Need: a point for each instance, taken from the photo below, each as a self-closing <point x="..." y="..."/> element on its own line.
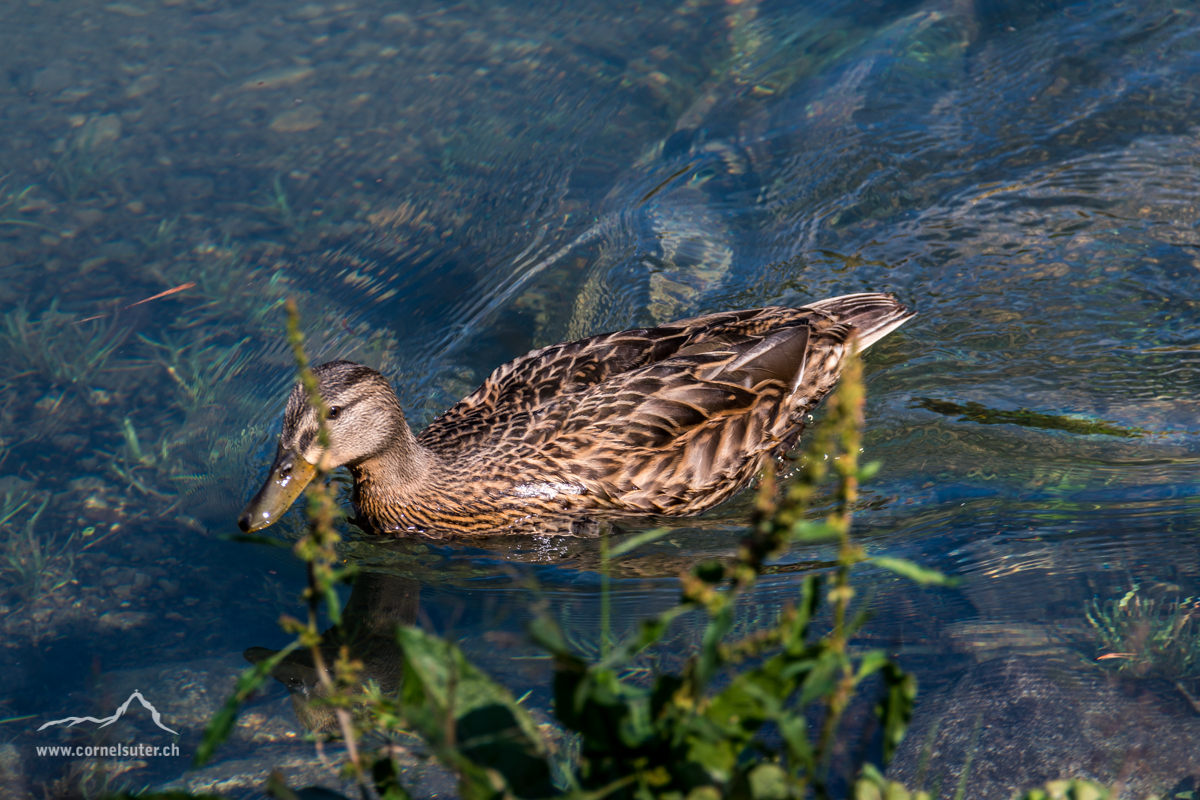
<point x="394" y="479"/>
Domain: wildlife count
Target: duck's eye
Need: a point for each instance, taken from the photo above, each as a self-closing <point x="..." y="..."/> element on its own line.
<point x="333" y="412"/>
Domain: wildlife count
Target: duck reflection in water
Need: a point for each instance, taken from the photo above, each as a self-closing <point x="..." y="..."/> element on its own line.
<point x="378" y="604"/>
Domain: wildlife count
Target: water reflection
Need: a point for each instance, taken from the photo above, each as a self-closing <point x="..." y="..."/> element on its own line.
<point x="377" y="604"/>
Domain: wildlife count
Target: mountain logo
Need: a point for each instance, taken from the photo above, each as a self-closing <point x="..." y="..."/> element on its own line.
<point x="70" y="721"/>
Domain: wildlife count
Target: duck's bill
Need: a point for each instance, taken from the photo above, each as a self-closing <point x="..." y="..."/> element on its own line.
<point x="289" y="475"/>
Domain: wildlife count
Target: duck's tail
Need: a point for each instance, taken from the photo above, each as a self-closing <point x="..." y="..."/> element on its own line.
<point x="872" y="314"/>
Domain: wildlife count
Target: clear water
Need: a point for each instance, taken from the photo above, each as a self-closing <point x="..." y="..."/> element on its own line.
<point x="444" y="187"/>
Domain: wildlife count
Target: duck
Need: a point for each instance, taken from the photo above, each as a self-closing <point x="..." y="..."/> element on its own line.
<point x="664" y="421"/>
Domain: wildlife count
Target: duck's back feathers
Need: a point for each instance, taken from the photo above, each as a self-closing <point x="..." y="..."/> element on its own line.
<point x="666" y="420"/>
<point x="544" y="377"/>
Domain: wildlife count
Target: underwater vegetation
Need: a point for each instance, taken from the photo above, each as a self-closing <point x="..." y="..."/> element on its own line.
<point x="161" y="237"/>
<point x="89" y="780"/>
<point x="977" y="412"/>
<point x="198" y="365"/>
<point x="1148" y="636"/>
<point x="57" y="347"/>
<point x="144" y="468"/>
<point x="85" y="166"/>
<point x="33" y="564"/>
<point x="14" y="201"/>
<point x="278" y="207"/>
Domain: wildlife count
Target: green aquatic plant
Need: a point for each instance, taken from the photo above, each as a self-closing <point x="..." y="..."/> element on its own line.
<point x="977" y="412"/>
<point x="13" y="504"/>
<point x="1147" y="636"/>
<point x="91" y="778"/>
<point x="84" y="166"/>
<point x="235" y="292"/>
<point x="162" y="235"/>
<point x="33" y="564"/>
<point x="56" y="346"/>
<point x="278" y="207"/>
<point x="11" y="201"/>
<point x="198" y="366"/>
<point x="142" y="467"/>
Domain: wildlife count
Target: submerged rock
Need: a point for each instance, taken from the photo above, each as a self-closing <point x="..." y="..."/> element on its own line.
<point x="1015" y="723"/>
<point x="54" y="77"/>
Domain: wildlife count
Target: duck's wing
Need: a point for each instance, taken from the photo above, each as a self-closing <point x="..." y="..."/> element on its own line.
<point x="565" y="371"/>
<point x="683" y="434"/>
<point x="717" y="379"/>
<point x="686" y="431"/>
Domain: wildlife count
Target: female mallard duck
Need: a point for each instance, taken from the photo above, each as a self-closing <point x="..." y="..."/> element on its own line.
<point x="652" y="421"/>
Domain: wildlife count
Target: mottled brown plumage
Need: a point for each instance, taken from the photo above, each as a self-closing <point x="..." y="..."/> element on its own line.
<point x="670" y="420"/>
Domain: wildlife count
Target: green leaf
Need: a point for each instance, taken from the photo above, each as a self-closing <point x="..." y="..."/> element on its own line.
<point x="794" y="729"/>
<point x="915" y="572"/>
<point x="754" y="697"/>
<point x="768" y="782"/>
<point x="821" y="679"/>
<point x="873" y="786"/>
<point x="709" y="659"/>
<point x="717" y="754"/>
<point x="872" y="662"/>
<point x="810" y="597"/>
<point x="471" y="721"/>
<point x="1069" y="790"/>
<point x="387" y="781"/>
<point x="896" y="707"/>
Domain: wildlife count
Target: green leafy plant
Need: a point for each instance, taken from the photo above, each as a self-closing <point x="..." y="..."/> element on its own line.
<point x="680" y="735"/>
<point x="161" y="237"/>
<point x="58" y="347"/>
<point x="873" y="786"/>
<point x="198" y="365"/>
<point x="33" y="564"/>
<point x="1145" y="636"/>
<point x="85" y="166"/>
<point x="753" y="717"/>
<point x="15" y="201"/>
<point x="142" y="466"/>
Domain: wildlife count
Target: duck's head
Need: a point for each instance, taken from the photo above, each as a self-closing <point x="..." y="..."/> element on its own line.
<point x="365" y="421"/>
